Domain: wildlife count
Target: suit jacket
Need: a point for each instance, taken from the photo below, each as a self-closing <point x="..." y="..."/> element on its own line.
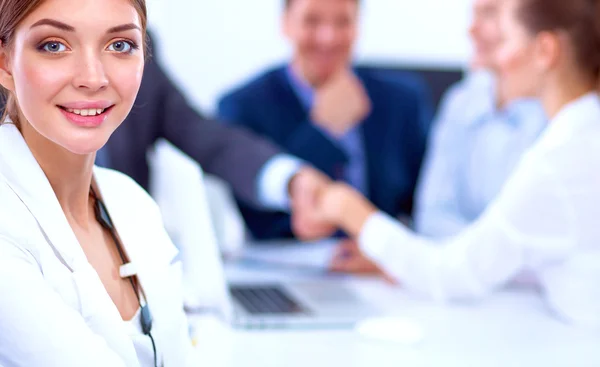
<point x="394" y="136"/>
<point x="161" y="111"/>
<point x="54" y="309"/>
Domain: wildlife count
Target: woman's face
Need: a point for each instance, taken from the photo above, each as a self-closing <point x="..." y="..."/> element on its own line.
<point x="75" y="67"/>
<point x="516" y="58"/>
<point x="484" y="32"/>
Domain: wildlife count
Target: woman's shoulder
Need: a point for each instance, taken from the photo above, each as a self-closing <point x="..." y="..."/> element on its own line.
<point x="135" y="214"/>
<point x="119" y="187"/>
<point x="475" y="93"/>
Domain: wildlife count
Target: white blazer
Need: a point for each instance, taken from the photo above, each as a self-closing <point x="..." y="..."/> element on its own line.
<point x="54" y="310"/>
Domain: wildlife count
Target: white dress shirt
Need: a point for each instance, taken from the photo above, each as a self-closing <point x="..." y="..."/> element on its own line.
<point x="473" y="150"/>
<point x="545" y="221"/>
<point x="54" y="309"/>
<point x="274" y="179"/>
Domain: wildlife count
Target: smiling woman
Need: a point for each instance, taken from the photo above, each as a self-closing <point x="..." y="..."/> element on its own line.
<point x="66" y="62"/>
<point x="86" y="271"/>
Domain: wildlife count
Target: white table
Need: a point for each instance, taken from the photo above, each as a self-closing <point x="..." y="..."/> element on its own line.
<point x="511" y="328"/>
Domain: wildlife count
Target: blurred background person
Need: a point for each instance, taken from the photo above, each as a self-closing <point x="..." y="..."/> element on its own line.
<point x="477" y="139"/>
<point x="545" y="218"/>
<point x="351" y="123"/>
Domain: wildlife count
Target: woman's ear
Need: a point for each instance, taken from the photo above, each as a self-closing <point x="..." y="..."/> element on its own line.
<point x="6" y="78"/>
<point x="547" y="50"/>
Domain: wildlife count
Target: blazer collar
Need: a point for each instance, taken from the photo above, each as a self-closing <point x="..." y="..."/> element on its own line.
<point x="27" y="179"/>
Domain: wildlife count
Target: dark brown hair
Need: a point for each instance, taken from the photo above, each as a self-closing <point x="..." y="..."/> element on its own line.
<point x="287" y="3"/>
<point x="12" y="12"/>
<point x="579" y="19"/>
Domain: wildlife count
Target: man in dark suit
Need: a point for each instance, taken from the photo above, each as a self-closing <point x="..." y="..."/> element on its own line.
<point x="257" y="170"/>
<point x="351" y="123"/>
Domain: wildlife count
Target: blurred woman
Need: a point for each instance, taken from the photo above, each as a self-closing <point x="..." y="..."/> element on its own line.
<point x="545" y="218"/>
<point x="86" y="272"/>
<point x="478" y="137"/>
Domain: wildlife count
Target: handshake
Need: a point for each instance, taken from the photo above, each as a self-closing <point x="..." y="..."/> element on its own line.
<point x="320" y="207"/>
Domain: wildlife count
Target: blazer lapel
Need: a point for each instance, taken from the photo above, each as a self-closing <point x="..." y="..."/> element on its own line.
<point x="372" y="130"/>
<point x="151" y="252"/>
<point x="288" y="98"/>
<point x="130" y="224"/>
<point x="26" y="178"/>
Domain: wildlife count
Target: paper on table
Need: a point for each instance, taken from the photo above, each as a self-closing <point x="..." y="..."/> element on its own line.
<point x="309" y="255"/>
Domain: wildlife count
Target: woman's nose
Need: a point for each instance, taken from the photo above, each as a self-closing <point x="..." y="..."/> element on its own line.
<point x="91" y="74"/>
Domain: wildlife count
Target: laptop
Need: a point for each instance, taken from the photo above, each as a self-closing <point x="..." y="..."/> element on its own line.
<point x="320" y="300"/>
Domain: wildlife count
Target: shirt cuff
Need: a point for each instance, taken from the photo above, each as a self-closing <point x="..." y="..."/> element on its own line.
<point x="273" y="181"/>
<point x="379" y="233"/>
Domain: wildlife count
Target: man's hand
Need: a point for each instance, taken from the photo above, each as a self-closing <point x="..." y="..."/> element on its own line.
<point x="349" y="259"/>
<point x="306" y="188"/>
<point x="340" y="103"/>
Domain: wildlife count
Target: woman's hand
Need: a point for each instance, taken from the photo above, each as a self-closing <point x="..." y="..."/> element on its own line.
<point x="345" y="208"/>
<point x="349" y="259"/>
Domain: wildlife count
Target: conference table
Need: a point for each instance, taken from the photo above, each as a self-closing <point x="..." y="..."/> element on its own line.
<point x="512" y="327"/>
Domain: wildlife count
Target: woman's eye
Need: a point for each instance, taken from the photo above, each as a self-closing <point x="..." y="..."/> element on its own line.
<point x="54" y="47"/>
<point x="120" y="46"/>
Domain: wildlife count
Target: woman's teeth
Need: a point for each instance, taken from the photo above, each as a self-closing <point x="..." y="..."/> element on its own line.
<point x="87" y="112"/>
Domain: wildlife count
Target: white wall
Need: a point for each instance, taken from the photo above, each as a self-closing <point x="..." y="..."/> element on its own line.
<point x="210" y="45"/>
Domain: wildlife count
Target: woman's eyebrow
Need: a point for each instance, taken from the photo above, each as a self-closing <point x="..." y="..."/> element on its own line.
<point x="123" y="27"/>
<point x="65" y="27"/>
<point x="53" y="23"/>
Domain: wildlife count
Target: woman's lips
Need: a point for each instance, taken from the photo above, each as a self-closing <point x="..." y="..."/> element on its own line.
<point x="86" y="117"/>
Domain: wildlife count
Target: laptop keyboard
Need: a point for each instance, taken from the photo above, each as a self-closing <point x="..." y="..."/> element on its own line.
<point x="266" y="300"/>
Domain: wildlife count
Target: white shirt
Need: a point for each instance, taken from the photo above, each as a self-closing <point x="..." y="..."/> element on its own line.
<point x="274" y="179"/>
<point x="545" y="220"/>
<point x="54" y="309"/>
<point x="473" y="150"/>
